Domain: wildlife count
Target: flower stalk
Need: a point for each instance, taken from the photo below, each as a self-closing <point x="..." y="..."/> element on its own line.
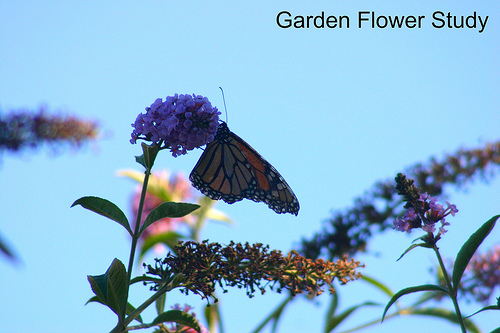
<point x="452" y="292"/>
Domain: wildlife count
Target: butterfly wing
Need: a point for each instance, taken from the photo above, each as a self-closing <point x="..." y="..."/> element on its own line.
<point x="231" y="170"/>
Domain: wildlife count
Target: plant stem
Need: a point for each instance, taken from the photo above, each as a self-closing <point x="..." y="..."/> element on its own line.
<point x="147" y="303"/>
<point x="451" y="292"/>
<point x="135" y="237"/>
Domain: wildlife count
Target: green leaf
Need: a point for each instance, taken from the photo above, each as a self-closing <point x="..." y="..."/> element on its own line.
<point x="213" y="317"/>
<point x="274" y="316"/>
<point x="130" y="309"/>
<point x="445" y="314"/>
<point x="7" y="251"/>
<point x="160" y="303"/>
<point x="94" y="299"/>
<point x="412" y="247"/>
<point x="168" y="209"/>
<point x="426" y="297"/>
<point x="333" y="322"/>
<point x="142" y="278"/>
<point x="179" y="317"/>
<point x="468" y="249"/>
<point x="147" y="159"/>
<point x="406" y="291"/>
<point x="377" y="284"/>
<point x="332" y="309"/>
<point x="105" y="208"/>
<point x="169" y="238"/>
<point x="141" y="161"/>
<point x="111" y="287"/>
<point x="489" y="307"/>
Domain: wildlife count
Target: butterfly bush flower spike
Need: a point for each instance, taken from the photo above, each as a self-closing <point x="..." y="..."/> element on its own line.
<point x="422" y="210"/>
<point x="22" y="128"/>
<point x="482" y="277"/>
<point x="204" y="266"/>
<point x="180" y="123"/>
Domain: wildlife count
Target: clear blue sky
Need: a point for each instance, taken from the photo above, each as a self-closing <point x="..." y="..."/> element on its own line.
<point x="333" y="110"/>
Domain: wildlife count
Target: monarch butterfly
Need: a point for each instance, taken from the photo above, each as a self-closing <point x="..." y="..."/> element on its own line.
<point x="231" y="170"/>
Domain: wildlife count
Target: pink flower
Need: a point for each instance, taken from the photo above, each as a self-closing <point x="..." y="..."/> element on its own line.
<point x="186" y="308"/>
<point x="162" y="187"/>
<point x="482" y="276"/>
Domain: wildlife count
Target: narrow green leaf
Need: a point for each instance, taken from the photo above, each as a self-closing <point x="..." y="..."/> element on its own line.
<point x="489" y="307"/>
<point x="179" y="317"/>
<point x="379" y="285"/>
<point x="111" y="287"/>
<point x="213" y="317"/>
<point x="426" y="297"/>
<point x="333" y="322"/>
<point x="130" y="309"/>
<point x="406" y="291"/>
<point x="468" y="249"/>
<point x="273" y="316"/>
<point x="142" y="278"/>
<point x="332" y="309"/>
<point x="105" y="208"/>
<point x="168" y="209"/>
<point x="445" y="314"/>
<point x="160" y="303"/>
<point x="7" y="251"/>
<point x="412" y="247"/>
<point x="434" y="312"/>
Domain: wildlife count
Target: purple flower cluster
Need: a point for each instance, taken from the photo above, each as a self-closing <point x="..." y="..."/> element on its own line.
<point x="181" y="123"/>
<point x="425" y="213"/>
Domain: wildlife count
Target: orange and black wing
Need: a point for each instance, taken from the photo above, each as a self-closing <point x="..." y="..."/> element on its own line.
<point x="231" y="170"/>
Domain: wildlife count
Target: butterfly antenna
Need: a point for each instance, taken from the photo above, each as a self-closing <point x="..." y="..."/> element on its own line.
<point x="224" y="100"/>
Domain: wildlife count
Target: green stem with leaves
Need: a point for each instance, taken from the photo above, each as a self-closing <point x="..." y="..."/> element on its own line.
<point x="135" y="236"/>
<point x="134" y="314"/>
<point x="148" y="157"/>
<point x="451" y="293"/>
<point x="135" y="239"/>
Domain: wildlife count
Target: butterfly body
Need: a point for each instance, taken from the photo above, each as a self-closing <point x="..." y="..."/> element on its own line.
<point x="231" y="170"/>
